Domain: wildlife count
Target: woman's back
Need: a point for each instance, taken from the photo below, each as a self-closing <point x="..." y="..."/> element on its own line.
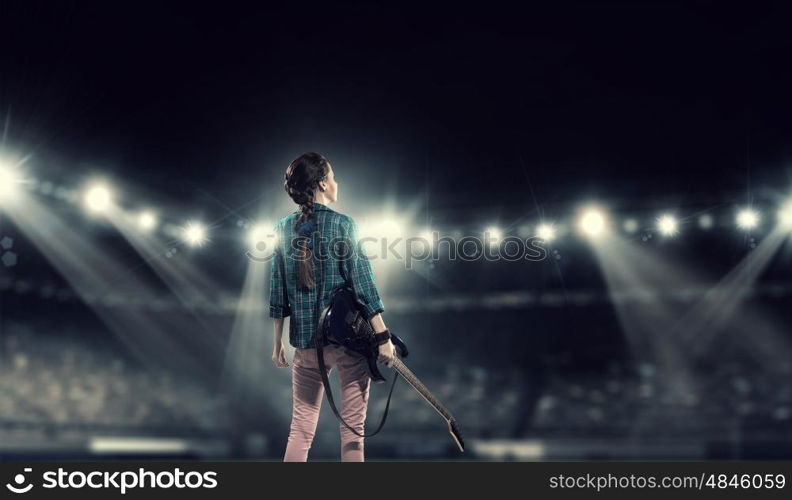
<point x="316" y="252"/>
<point x="335" y="259"/>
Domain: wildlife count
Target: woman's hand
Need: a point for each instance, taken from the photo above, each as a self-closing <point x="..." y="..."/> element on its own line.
<point x="387" y="353"/>
<point x="279" y="355"/>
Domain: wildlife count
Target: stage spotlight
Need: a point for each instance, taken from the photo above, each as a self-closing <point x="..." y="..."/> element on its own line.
<point x="705" y="221"/>
<point x="631" y="225"/>
<point x="98" y="198"/>
<point x="785" y="215"/>
<point x="593" y="222"/>
<point x="194" y="234"/>
<point x="260" y="233"/>
<point x="10" y="183"/>
<point x="147" y="221"/>
<point x="391" y="228"/>
<point x="546" y="232"/>
<point x="382" y="228"/>
<point x="747" y="218"/>
<point x="494" y="234"/>
<point x="667" y="225"/>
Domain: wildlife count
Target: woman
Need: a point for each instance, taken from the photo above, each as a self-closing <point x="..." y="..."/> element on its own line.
<point x="295" y="270"/>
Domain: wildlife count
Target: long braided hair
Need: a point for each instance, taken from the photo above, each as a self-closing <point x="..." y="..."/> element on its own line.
<point x="302" y="180"/>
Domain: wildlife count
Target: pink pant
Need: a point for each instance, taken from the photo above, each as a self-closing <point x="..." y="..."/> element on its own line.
<point x="308" y="393"/>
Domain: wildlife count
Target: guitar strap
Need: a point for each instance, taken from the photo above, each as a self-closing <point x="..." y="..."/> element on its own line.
<point x="320" y="341"/>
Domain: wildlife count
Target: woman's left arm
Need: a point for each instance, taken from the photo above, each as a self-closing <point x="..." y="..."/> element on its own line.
<point x="279" y="305"/>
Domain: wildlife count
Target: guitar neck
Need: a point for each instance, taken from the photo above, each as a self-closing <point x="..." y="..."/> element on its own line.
<point x="410" y="377"/>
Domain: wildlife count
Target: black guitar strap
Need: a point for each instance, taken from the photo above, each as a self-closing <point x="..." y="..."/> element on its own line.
<point x="320" y="342"/>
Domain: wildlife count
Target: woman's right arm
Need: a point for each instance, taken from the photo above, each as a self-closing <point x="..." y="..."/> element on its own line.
<point x="278" y="350"/>
<point x="387" y="350"/>
<point x="358" y="270"/>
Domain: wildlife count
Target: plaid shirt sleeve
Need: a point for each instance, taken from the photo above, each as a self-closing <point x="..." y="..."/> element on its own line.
<point x="358" y="269"/>
<point x="279" y="299"/>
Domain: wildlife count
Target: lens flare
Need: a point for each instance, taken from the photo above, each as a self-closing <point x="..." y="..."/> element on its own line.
<point x="10" y="184"/>
<point x="495" y="234"/>
<point x="546" y="232"/>
<point x="667" y="225"/>
<point x="147" y="221"/>
<point x="194" y="234"/>
<point x="785" y="215"/>
<point x="747" y="218"/>
<point x="593" y="223"/>
<point x="98" y="198"/>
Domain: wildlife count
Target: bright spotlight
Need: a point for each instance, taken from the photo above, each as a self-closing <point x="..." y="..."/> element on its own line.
<point x="494" y="233"/>
<point x="667" y="225"/>
<point x="593" y="222"/>
<point x="98" y="198"/>
<point x="390" y="228"/>
<point x="546" y="232"/>
<point x="383" y="228"/>
<point x="785" y="215"/>
<point x="706" y="221"/>
<point x="194" y="234"/>
<point x="260" y="233"/>
<point x="10" y="183"/>
<point x="147" y="221"/>
<point x="747" y="218"/>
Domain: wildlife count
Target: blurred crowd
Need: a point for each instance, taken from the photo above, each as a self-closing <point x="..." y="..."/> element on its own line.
<point x="643" y="401"/>
<point x="68" y="381"/>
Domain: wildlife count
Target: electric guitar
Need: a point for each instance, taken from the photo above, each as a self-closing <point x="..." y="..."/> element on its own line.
<point x="344" y="324"/>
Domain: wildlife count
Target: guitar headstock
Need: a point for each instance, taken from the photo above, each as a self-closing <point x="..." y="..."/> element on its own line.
<point x="454" y="430"/>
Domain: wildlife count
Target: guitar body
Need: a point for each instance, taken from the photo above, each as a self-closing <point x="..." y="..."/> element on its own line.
<point x="342" y="323"/>
<point x="342" y="319"/>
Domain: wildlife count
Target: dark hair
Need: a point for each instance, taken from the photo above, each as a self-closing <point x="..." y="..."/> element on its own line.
<point x="302" y="179"/>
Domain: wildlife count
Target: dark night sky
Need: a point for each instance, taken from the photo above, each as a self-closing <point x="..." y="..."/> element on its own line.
<point x="650" y="101"/>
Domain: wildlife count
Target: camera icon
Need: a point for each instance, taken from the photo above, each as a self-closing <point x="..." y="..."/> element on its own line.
<point x="19" y="480"/>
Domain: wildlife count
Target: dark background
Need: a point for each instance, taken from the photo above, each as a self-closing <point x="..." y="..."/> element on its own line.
<point x="661" y="99"/>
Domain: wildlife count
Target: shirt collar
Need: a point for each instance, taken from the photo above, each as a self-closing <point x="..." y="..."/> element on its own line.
<point x="319" y="206"/>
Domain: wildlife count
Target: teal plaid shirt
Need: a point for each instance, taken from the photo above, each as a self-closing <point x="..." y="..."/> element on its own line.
<point x="287" y="299"/>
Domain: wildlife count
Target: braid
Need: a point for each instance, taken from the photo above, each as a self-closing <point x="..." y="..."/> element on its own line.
<point x="301" y="181"/>
<point x="306" y="211"/>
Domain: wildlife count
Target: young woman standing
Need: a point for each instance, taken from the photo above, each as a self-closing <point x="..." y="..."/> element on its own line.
<point x="306" y="233"/>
